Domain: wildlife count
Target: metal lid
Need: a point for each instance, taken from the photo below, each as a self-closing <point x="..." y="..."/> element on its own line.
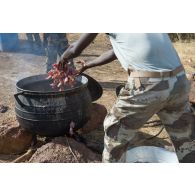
<point x="150" y="154"/>
<point x="95" y="89"/>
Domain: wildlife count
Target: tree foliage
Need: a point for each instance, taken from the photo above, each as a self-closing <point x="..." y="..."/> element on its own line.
<point x="182" y="37"/>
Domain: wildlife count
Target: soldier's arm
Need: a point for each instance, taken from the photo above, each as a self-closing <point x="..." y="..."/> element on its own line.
<point x="77" y="47"/>
<point x="105" y="58"/>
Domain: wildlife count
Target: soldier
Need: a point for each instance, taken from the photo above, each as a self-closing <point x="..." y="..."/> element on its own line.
<point x="55" y="44"/>
<point x="157" y="84"/>
<point x="34" y="41"/>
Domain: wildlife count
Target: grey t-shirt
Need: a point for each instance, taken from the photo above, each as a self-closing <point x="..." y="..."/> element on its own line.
<point x="145" y="51"/>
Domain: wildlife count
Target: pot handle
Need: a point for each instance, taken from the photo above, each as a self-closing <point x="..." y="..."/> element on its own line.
<point x="18" y="100"/>
<point x="22" y="104"/>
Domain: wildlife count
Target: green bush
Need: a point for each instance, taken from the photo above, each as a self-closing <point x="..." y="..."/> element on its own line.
<point x="182" y="37"/>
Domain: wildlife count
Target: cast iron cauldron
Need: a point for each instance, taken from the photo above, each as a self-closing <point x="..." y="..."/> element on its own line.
<point x="48" y="112"/>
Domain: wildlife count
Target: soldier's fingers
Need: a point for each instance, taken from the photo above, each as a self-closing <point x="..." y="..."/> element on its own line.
<point x="82" y="62"/>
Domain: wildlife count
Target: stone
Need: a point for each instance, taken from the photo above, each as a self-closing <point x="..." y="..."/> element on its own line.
<point x="13" y="139"/>
<point x="64" y="150"/>
<point x="3" y="109"/>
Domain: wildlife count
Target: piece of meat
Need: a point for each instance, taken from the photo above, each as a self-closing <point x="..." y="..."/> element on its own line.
<point x="62" y="77"/>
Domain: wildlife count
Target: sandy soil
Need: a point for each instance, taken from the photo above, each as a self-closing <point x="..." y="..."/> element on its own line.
<point x="15" y="66"/>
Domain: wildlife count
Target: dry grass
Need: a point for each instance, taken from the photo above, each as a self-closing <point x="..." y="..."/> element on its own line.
<point x="186" y="52"/>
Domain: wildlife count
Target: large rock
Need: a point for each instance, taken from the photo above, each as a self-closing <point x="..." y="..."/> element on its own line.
<point x="97" y="118"/>
<point x="64" y="150"/>
<point x="14" y="140"/>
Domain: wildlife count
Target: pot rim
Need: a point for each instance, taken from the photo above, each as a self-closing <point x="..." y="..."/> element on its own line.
<point x="71" y="90"/>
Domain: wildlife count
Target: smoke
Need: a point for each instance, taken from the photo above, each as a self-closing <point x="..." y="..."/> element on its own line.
<point x="18" y="60"/>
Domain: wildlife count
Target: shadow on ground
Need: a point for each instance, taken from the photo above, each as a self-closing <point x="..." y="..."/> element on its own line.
<point x="113" y="84"/>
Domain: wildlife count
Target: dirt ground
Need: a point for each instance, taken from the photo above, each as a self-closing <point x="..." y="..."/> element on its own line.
<point x="15" y="66"/>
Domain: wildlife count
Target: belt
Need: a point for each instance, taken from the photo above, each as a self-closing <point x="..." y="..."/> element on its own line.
<point x="138" y="73"/>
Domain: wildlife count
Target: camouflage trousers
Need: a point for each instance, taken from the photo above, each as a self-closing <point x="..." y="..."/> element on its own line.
<point x="166" y="97"/>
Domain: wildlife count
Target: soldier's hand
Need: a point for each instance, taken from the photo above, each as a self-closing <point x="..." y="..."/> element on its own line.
<point x="62" y="63"/>
<point x="83" y="66"/>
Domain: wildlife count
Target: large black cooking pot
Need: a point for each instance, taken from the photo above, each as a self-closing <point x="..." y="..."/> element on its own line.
<point x="48" y="112"/>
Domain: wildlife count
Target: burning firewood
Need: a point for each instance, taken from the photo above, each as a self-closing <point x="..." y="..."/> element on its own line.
<point x="71" y="130"/>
